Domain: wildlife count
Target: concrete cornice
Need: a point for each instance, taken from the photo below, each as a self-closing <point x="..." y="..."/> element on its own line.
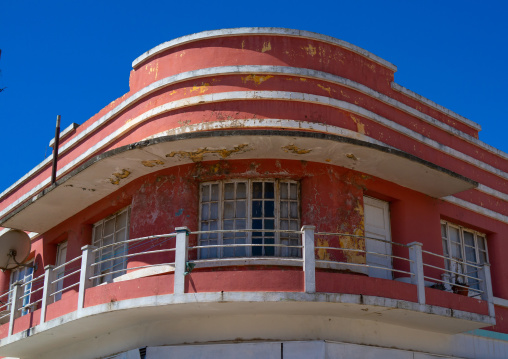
<point x="251" y="31"/>
<point x="138" y="96"/>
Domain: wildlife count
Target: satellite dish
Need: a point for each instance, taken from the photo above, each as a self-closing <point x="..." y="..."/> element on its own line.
<point x="14" y="248"/>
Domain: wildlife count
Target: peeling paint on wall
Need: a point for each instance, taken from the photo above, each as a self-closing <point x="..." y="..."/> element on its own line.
<point x="310" y="50"/>
<point x="119" y="176"/>
<point x="198" y="155"/>
<point x="152" y="163"/>
<point x="200" y="88"/>
<point x="360" y="127"/>
<point x="257" y="79"/>
<point x="327" y="89"/>
<point x="293" y="149"/>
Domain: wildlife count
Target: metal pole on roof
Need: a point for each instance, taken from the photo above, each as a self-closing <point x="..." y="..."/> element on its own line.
<point x="55" y="149"/>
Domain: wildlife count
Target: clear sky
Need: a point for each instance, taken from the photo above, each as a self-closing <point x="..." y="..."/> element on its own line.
<point x="73" y="57"/>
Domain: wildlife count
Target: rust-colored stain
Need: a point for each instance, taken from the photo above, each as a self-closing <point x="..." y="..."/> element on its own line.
<point x="327" y="89"/>
<point x="323" y="253"/>
<point x="295" y="150"/>
<point x="197" y="156"/>
<point x="152" y="163"/>
<point x="200" y="88"/>
<point x="328" y="160"/>
<point x="360" y="127"/>
<point x="351" y="156"/>
<point x="310" y="50"/>
<point x="119" y="176"/>
<point x="257" y="79"/>
<point x="266" y="46"/>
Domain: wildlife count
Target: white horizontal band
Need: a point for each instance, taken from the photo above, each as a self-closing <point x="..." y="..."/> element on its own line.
<point x="251" y="69"/>
<point x="246" y="31"/>
<point x="249" y="123"/>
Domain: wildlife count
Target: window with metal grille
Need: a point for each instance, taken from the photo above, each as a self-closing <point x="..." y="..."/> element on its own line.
<point x="264" y="205"/>
<point x="23" y="274"/>
<point x="107" y="236"/>
<point x="466" y="249"/>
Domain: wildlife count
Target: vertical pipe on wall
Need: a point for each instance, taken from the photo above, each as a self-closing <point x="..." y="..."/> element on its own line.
<point x="55" y="149"/>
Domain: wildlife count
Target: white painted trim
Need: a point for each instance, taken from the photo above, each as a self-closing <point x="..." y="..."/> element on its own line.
<point x="475" y="208"/>
<point x="250" y="297"/>
<point x="248" y="69"/>
<point x="235" y="124"/>
<point x="68" y="130"/>
<point x="250" y="31"/>
<point x="501" y="302"/>
<point x="426" y="101"/>
<point x="492" y="192"/>
<point x="283" y="96"/>
<point x="186" y="129"/>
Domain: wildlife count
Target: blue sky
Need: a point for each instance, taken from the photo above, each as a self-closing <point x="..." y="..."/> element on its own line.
<point x="73" y="57"/>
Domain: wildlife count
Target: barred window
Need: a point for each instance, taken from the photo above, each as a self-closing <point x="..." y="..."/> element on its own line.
<point x="466" y="249"/>
<point x="107" y="236"/>
<point x="249" y="204"/>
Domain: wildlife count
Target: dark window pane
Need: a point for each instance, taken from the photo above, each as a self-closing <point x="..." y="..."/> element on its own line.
<point x="269" y="209"/>
<point x="215" y="192"/>
<point x="241" y="191"/>
<point x="293" y="189"/>
<point x="294" y="210"/>
<point x="229" y="207"/>
<point x="257" y="190"/>
<point x="257" y="250"/>
<point x="284" y="190"/>
<point x="269" y="224"/>
<point x="257" y="224"/>
<point x="229" y="191"/>
<point x="269" y="251"/>
<point x="269" y="190"/>
<point x="240" y="224"/>
<point x="284" y="210"/>
<point x="257" y="209"/>
<point x="205" y="193"/>
<point x="241" y="209"/>
<point x="205" y="212"/>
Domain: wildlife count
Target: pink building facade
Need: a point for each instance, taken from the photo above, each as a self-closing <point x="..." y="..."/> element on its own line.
<point x="262" y="191"/>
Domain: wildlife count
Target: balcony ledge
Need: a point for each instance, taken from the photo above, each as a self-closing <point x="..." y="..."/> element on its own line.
<point x="104" y="319"/>
<point x="106" y="173"/>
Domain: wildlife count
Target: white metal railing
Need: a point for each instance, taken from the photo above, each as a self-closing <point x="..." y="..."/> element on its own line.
<point x="83" y="270"/>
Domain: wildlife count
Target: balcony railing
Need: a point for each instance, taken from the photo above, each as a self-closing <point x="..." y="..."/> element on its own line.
<point x="410" y="263"/>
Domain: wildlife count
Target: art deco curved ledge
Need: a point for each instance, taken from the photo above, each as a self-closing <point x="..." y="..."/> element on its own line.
<point x="105" y="173"/>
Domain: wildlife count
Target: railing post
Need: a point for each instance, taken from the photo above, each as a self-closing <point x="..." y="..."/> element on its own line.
<point x="46" y="291"/>
<point x="309" y="259"/>
<point x="87" y="259"/>
<point x="417" y="278"/>
<point x="16" y="303"/>
<point x="181" y="254"/>
<point x="486" y="287"/>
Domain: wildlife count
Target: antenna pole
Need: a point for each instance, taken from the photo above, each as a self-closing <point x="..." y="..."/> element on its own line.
<point x="55" y="149"/>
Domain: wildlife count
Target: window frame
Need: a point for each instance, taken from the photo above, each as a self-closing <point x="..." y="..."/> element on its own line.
<point x="27" y="289"/>
<point x="123" y="248"/>
<point x="459" y="265"/>
<point x="61" y="251"/>
<point x="249" y="216"/>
